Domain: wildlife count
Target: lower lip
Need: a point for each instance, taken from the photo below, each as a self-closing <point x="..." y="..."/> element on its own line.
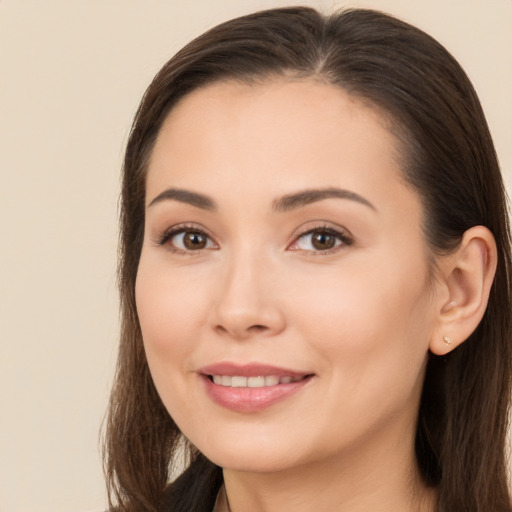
<point x="251" y="399"/>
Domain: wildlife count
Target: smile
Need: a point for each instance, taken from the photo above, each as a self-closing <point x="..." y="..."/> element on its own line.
<point x="238" y="381"/>
<point x="251" y="388"/>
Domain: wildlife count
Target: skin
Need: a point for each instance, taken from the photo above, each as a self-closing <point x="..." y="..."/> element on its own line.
<point x="360" y="317"/>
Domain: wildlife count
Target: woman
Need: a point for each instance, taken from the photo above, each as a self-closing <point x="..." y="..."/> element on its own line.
<point x="314" y="277"/>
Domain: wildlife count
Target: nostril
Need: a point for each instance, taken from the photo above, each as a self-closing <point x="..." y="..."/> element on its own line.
<point x="257" y="328"/>
<point x="242" y="332"/>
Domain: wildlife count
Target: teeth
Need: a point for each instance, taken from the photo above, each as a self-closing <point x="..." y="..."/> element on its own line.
<point x="271" y="380"/>
<point x="255" y="382"/>
<point x="237" y="381"/>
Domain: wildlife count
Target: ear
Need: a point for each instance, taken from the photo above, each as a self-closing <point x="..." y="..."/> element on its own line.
<point x="466" y="276"/>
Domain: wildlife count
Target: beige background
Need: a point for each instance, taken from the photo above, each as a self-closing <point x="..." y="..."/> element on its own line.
<point x="71" y="75"/>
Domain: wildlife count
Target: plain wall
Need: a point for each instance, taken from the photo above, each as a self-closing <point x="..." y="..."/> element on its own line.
<point x="71" y="75"/>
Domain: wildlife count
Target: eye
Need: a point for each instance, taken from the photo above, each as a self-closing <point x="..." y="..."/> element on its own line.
<point x="322" y="239"/>
<point x="183" y="239"/>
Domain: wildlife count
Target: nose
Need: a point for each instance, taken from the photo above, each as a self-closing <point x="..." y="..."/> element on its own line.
<point x="246" y="304"/>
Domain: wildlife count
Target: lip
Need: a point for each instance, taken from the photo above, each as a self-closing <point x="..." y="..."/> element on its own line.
<point x="251" y="399"/>
<point x="250" y="370"/>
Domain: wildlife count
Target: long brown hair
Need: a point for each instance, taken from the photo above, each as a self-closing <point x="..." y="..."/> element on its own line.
<point x="448" y="158"/>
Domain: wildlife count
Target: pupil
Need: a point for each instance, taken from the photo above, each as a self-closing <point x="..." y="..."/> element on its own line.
<point x="194" y="241"/>
<point x="323" y="241"/>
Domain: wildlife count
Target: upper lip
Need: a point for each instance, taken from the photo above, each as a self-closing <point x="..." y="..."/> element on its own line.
<point x="250" y="370"/>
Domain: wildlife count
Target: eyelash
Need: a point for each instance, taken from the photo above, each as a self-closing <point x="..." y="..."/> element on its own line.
<point x="177" y="230"/>
<point x="344" y="238"/>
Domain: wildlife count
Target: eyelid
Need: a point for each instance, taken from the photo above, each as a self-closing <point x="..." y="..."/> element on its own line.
<point x="167" y="234"/>
<point x="342" y="234"/>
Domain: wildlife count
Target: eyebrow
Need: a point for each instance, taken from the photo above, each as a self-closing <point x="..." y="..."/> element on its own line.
<point x="185" y="196"/>
<point x="283" y="204"/>
<point x="300" y="199"/>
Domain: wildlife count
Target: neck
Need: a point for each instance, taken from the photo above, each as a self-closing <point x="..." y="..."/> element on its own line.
<point x="384" y="480"/>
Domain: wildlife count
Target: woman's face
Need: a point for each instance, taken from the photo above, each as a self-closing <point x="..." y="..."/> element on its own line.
<point x="283" y="289"/>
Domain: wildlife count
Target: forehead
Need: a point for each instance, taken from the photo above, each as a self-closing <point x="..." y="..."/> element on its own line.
<point x="286" y="99"/>
<point x="245" y="128"/>
<point x="260" y="141"/>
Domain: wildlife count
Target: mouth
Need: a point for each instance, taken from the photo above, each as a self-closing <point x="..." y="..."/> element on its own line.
<point x="260" y="381"/>
<point x="251" y="387"/>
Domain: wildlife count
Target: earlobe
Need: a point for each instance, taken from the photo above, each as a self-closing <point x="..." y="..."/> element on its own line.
<point x="468" y="274"/>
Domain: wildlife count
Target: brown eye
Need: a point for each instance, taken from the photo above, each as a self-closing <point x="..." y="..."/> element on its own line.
<point x="323" y="241"/>
<point x="193" y="240"/>
<point x="187" y="240"/>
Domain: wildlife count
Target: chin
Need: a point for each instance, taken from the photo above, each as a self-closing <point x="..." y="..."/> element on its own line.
<point x="254" y="464"/>
<point x="251" y="457"/>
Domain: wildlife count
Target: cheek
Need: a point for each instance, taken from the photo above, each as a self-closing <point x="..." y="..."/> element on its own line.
<point x="373" y="341"/>
<point x="370" y="320"/>
<point x="168" y="311"/>
<point x="164" y="307"/>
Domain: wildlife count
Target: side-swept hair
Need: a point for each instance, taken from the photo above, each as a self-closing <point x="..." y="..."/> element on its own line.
<point x="447" y="157"/>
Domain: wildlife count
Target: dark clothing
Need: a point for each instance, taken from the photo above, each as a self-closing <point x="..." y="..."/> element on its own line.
<point x="195" y="490"/>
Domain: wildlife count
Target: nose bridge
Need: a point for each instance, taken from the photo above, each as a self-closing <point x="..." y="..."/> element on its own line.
<point x="245" y="302"/>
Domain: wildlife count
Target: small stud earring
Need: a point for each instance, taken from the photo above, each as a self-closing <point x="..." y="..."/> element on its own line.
<point x="447" y="340"/>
